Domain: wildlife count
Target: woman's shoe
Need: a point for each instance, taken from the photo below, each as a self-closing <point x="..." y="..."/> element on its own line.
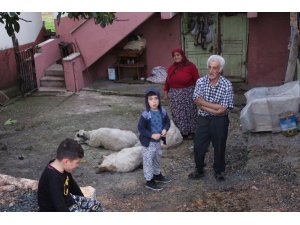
<point x="185" y="136"/>
<point x="190" y="136"/>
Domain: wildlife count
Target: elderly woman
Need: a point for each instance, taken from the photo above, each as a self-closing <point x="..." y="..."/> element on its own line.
<point x="179" y="89"/>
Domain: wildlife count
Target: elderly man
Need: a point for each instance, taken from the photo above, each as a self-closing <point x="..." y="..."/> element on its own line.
<point x="214" y="97"/>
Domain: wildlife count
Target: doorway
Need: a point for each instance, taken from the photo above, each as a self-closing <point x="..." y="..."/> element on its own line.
<point x="228" y="37"/>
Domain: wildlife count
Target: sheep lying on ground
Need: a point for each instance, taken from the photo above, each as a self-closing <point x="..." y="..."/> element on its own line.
<point x="173" y="138"/>
<point x="124" y="161"/>
<point x="109" y="138"/>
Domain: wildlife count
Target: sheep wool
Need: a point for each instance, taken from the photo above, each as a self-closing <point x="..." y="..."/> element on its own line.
<point x="173" y="138"/>
<point x="123" y="161"/>
<point x="109" y="138"/>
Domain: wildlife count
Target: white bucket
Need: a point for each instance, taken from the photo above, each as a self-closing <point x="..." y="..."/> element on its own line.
<point x="111" y="73"/>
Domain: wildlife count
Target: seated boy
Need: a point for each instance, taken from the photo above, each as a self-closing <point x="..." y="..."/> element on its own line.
<point x="57" y="190"/>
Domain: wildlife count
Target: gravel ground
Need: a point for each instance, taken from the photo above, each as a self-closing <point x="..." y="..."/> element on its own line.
<point x="19" y="200"/>
<point x="261" y="174"/>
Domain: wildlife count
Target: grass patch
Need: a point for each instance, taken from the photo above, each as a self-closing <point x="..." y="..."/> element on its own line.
<point x="48" y="18"/>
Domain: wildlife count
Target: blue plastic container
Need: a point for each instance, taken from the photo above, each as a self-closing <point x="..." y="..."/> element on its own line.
<point x="288" y="124"/>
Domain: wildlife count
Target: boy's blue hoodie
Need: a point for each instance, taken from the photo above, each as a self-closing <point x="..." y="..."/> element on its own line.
<point x="144" y="125"/>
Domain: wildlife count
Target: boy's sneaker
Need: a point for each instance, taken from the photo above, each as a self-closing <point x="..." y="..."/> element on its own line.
<point x="153" y="185"/>
<point x="162" y="179"/>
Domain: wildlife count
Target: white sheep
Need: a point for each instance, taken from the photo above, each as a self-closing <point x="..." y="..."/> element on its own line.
<point x="124" y="161"/>
<point x="173" y="137"/>
<point x="109" y="138"/>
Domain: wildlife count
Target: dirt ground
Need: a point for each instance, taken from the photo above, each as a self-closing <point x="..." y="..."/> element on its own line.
<point x="262" y="172"/>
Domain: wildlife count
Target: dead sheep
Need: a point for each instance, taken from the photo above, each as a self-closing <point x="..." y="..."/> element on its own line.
<point x="109" y="138"/>
<point x="173" y="137"/>
<point x="123" y="161"/>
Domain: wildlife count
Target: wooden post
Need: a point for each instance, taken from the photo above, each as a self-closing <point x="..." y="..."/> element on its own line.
<point x="291" y="67"/>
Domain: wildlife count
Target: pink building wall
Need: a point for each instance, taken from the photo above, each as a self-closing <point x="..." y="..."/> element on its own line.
<point x="65" y="28"/>
<point x="161" y="36"/>
<point x="268" y="48"/>
<point x="8" y="68"/>
<point x="74" y="75"/>
<point x="92" y="41"/>
<point x="8" y="71"/>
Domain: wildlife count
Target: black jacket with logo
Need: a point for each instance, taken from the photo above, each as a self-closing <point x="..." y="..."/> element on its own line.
<point x="54" y="190"/>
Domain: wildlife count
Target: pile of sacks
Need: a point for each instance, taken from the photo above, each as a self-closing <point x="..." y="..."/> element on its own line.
<point x="128" y="155"/>
<point x="264" y="104"/>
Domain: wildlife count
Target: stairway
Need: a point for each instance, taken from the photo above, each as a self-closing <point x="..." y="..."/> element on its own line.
<point x="101" y="40"/>
<point x="54" y="79"/>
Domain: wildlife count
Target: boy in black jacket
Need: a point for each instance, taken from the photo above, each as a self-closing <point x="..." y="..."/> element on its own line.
<point x="57" y="190"/>
<point x="153" y="126"/>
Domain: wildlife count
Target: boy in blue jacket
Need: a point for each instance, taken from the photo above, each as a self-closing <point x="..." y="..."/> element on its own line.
<point x="153" y="125"/>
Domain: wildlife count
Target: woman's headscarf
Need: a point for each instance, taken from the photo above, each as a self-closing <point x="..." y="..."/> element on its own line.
<point x="182" y="63"/>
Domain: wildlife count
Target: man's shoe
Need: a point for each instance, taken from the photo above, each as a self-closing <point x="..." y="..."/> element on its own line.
<point x="196" y="175"/>
<point x="153" y="185"/>
<point x="161" y="179"/>
<point x="219" y="177"/>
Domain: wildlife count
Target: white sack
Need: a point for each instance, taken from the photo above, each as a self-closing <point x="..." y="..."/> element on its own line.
<point x="173" y="137"/>
<point x="89" y="192"/>
<point x="109" y="138"/>
<point x="158" y="75"/>
<point x="136" y="45"/>
<point x="124" y="161"/>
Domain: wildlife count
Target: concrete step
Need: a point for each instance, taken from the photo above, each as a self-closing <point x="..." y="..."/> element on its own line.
<point x="55" y="70"/>
<point x="53" y="89"/>
<point x="53" y="81"/>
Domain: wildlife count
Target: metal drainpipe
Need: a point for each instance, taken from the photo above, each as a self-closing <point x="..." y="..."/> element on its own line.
<point x="219" y="37"/>
<point x="73" y="70"/>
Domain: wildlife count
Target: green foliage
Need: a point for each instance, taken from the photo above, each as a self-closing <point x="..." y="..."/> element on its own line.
<point x="101" y="18"/>
<point x="11" y="22"/>
<point x="48" y="19"/>
<point x="10" y="122"/>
